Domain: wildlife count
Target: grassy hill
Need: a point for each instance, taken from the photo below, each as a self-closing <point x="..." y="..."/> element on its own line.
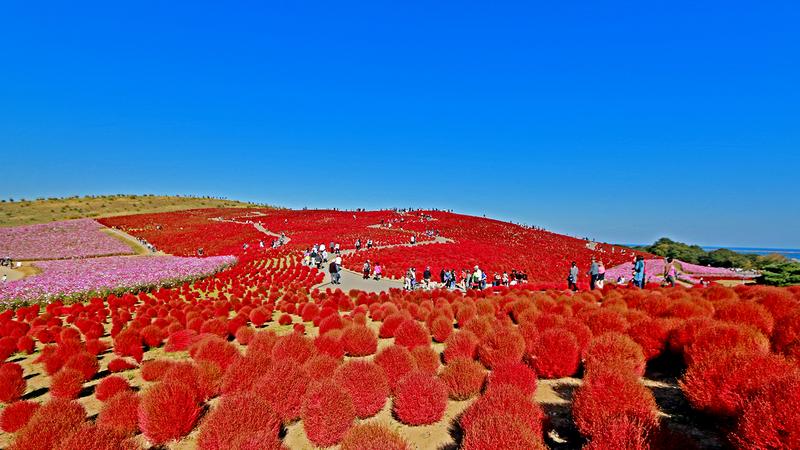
<point x="27" y="212"/>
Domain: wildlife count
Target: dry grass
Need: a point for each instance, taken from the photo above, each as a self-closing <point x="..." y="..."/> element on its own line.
<point x="52" y="209"/>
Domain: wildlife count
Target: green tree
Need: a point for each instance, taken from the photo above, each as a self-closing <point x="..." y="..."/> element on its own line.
<point x="784" y="274"/>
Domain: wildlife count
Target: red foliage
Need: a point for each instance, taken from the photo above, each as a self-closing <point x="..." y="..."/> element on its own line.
<point x="371" y="436"/>
<point x="262" y="343"/>
<point x="85" y="363"/>
<point x="504" y="346"/>
<point x="203" y="379"/>
<point x="615" y="349"/>
<point x="12" y="384"/>
<point x="367" y="385"/>
<point x="120" y="414"/>
<point x="623" y="433"/>
<point x="787" y="332"/>
<point x="16" y="415"/>
<point x="609" y="395"/>
<point x="293" y="347"/>
<point x="243" y="374"/>
<point x="461" y="344"/>
<point x="330" y="343"/>
<point x="359" y="340"/>
<point x="90" y="437"/>
<point x="154" y="369"/>
<point x="129" y="343"/>
<point x="26" y="344"/>
<point x="96" y="346"/>
<point x="66" y="384"/>
<point x="724" y="385"/>
<point x="259" y="316"/>
<point x="652" y="335"/>
<point x="508" y="399"/>
<point x="245" y="334"/>
<point x="463" y="377"/>
<point x="725" y="338"/>
<point x="420" y="399"/>
<point x="215" y="350"/>
<point x="747" y="313"/>
<point x="328" y="413"/>
<point x="235" y="419"/>
<point x="428" y="360"/>
<point x="557" y="354"/>
<point x="441" y="328"/>
<point x="501" y="430"/>
<point x="516" y="374"/>
<point x="152" y="336"/>
<point x="771" y="420"/>
<point x="396" y="362"/>
<point x="411" y="334"/>
<point x="320" y="366"/>
<point x="168" y="410"/>
<point x="389" y="325"/>
<point x="180" y="341"/>
<point x="110" y="386"/>
<point x="120" y="365"/>
<point x="283" y="386"/>
<point x="285" y="319"/>
<point x="50" y="424"/>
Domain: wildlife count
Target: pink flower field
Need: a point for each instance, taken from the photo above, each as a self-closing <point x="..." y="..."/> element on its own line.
<point x="690" y="273"/>
<point x="59" y="240"/>
<point x="67" y="277"/>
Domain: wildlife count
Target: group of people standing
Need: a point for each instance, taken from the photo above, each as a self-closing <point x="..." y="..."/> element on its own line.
<point x="597" y="275"/>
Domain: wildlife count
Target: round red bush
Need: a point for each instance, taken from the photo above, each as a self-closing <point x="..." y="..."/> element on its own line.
<point x="504" y="346"/>
<point x="85" y="363"/>
<point x="16" y="415"/>
<point x="557" y="354"/>
<point x="120" y="414"/>
<point x="508" y="399"/>
<point x="367" y="385"/>
<point x="615" y="349"/>
<point x="283" y="386"/>
<point x="120" y="365"/>
<point x="328" y="413"/>
<point x="66" y="384"/>
<point x="154" y="369"/>
<point x="330" y="343"/>
<point x="420" y="399"/>
<point x="441" y="328"/>
<point x="501" y="431"/>
<point x="396" y="362"/>
<point x="771" y="420"/>
<point x="285" y="319"/>
<point x="464" y="378"/>
<point x="259" y="316"/>
<point x="168" y="410"/>
<point x="624" y="432"/>
<point x="217" y="351"/>
<point x="390" y="324"/>
<point x="516" y="374"/>
<point x="181" y="340"/>
<point x="747" y="313"/>
<point x="359" y="341"/>
<point x="725" y="338"/>
<point x="110" y="386"/>
<point x="320" y="366"/>
<point x="371" y="436"/>
<point x="236" y="418"/>
<point x="12" y="383"/>
<point x="90" y="437"/>
<point x="293" y="347"/>
<point x="461" y="344"/>
<point x="244" y="334"/>
<point x="51" y="423"/>
<point x="411" y="334"/>
<point x="152" y="336"/>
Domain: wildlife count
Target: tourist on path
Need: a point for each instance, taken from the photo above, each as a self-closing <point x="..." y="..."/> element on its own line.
<point x="572" y="279"/>
<point x="638" y="272"/>
<point x="378" y="271"/>
<point x="366" y="270"/>
<point x="601" y="274"/>
<point x="593" y="272"/>
<point x="670" y="273"/>
<point x="358" y="244"/>
<point x="334" y="270"/>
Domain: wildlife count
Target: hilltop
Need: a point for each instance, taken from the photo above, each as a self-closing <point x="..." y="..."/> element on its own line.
<point x="28" y="212"/>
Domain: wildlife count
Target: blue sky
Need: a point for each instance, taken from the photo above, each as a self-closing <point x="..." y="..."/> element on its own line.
<point x="622" y="121"/>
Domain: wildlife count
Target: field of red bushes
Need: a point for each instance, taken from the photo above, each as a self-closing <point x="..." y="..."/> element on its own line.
<point x="255" y="357"/>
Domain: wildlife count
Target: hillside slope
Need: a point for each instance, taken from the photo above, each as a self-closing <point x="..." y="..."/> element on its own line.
<point x="52" y="209"/>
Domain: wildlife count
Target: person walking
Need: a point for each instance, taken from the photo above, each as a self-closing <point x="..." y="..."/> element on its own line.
<point x="378" y="271"/>
<point x="670" y="273"/>
<point x="593" y="274"/>
<point x="369" y="244"/>
<point x="358" y="244"/>
<point x="601" y="274"/>
<point x="337" y="249"/>
<point x="572" y="278"/>
<point x="366" y="270"/>
<point x="638" y="272"/>
<point x="426" y="277"/>
<point x="413" y="239"/>
<point x="334" y="270"/>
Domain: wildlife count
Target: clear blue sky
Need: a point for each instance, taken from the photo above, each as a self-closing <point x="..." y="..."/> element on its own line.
<point x="623" y="121"/>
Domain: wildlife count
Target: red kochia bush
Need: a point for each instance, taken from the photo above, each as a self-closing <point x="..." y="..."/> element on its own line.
<point x="293" y="347"/>
<point x="428" y="360"/>
<point x="623" y="433"/>
<point x="243" y="374"/>
<point x="615" y="349"/>
<point x="396" y="362"/>
<point x="12" y="384"/>
<point x="463" y="377"/>
<point x="726" y="384"/>
<point x="283" y="387"/>
<point x="120" y="365"/>
<point x="26" y="344"/>
<point x="90" y="437"/>
<point x="180" y="341"/>
<point x="517" y="374"/>
<point x="154" y="369"/>
<point x="441" y="328"/>
<point x="129" y="343"/>
<point x="411" y="334"/>
<point x="168" y="410"/>
<point x="110" y="386"/>
<point x="359" y="340"/>
<point x="787" y="332"/>
<point x="259" y="316"/>
<point x="371" y="436"/>
<point x="504" y="346"/>
<point x="244" y="334"/>
<point x="235" y="419"/>
<point x="50" y="424"/>
<point x="321" y="366"/>
<point x="120" y="414"/>
<point x="85" y="363"/>
<point x="366" y="384"/>
<point x="724" y="337"/>
<point x="747" y="313"/>
<point x="16" y="415"/>
<point x="507" y="399"/>
<point x="330" y="343"/>
<point x="420" y="399"/>
<point x="461" y="344"/>
<point x="328" y="413"/>
<point x="66" y="384"/>
<point x="501" y="430"/>
<point x="557" y="354"/>
<point x="771" y="420"/>
<point x="215" y="350"/>
<point x="608" y="395"/>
